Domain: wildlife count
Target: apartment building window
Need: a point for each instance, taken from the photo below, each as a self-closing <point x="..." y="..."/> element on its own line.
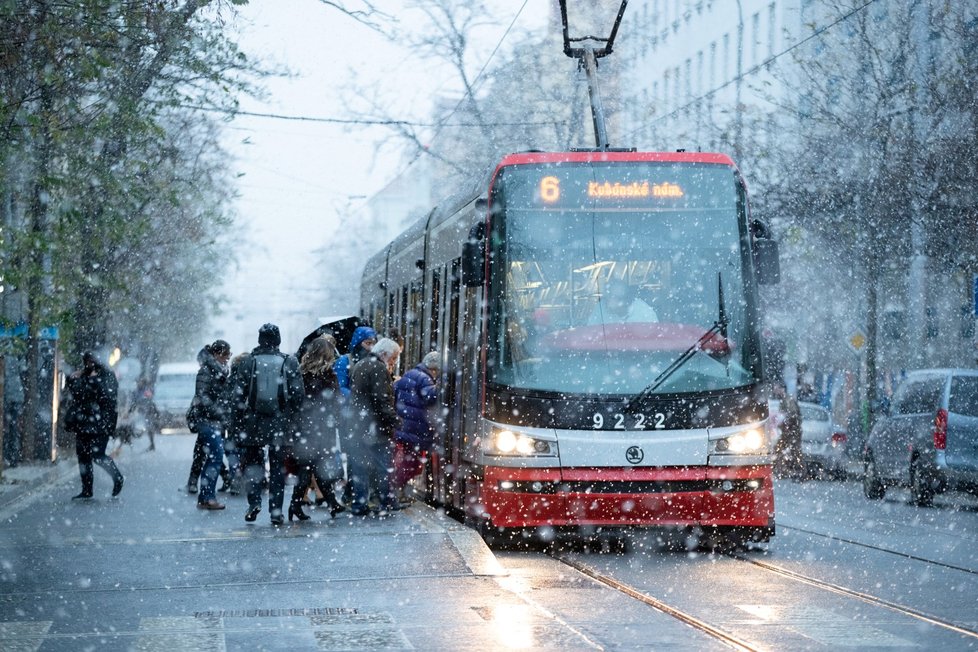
<point x="666" y="78"/>
<point x="755" y="32"/>
<point x="656" y="109"/>
<point x="677" y="89"/>
<point x="688" y="79"/>
<point x="713" y="65"/>
<point x="772" y="24"/>
<point x="699" y="73"/>
<point x="726" y="57"/>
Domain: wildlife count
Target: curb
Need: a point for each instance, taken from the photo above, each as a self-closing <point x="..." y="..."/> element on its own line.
<point x="17" y="488"/>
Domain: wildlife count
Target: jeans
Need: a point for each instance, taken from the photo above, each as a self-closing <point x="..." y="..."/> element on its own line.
<point x="370" y="473"/>
<point x="212" y="444"/>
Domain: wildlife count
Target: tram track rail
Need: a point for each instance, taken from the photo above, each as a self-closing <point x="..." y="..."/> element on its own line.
<point x="738" y="643"/>
<point x="870" y="546"/>
<point x="859" y="595"/>
<point x="721" y="635"/>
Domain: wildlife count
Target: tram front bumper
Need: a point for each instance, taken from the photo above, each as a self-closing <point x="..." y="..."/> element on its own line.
<point x="665" y="496"/>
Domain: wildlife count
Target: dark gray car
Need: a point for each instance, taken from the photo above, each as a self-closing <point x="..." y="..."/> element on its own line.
<point x="928" y="441"/>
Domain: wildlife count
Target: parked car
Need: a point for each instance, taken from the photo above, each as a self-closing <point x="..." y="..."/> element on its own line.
<point x="174" y="391"/>
<point x="928" y="439"/>
<point x="823" y="441"/>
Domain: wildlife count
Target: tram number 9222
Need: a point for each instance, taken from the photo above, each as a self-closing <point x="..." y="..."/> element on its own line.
<point x="655" y="421"/>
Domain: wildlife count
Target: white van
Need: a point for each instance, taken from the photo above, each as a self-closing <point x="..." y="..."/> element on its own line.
<point x="174" y="391"/>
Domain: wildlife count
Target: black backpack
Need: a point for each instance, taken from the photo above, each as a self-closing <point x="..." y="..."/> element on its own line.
<point x="267" y="391"/>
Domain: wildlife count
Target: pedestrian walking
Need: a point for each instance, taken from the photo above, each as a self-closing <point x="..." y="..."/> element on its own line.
<point x="416" y="396"/>
<point x="267" y="393"/>
<point x="207" y="359"/>
<point x="91" y="416"/>
<point x="371" y="441"/>
<point x="210" y="407"/>
<point x="314" y="444"/>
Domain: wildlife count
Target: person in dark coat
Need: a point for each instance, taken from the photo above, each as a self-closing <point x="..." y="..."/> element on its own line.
<point x="416" y="394"/>
<point x="91" y="416"/>
<point x="210" y="400"/>
<point x="371" y="441"/>
<point x="362" y="340"/>
<point x="787" y="452"/>
<point x="255" y="430"/>
<point x="213" y="360"/>
<point x="314" y="442"/>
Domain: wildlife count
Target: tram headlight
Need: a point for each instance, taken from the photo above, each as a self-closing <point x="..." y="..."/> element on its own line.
<point x="747" y="442"/>
<point x="508" y="442"/>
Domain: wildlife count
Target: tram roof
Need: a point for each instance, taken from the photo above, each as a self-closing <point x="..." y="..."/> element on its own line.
<point x="589" y="156"/>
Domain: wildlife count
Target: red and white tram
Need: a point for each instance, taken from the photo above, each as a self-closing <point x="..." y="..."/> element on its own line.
<point x="597" y="316"/>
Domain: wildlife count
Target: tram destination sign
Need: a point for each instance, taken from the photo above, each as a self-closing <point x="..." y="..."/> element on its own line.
<point x="622" y="186"/>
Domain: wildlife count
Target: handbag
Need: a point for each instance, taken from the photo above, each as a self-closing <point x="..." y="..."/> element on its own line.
<point x="194" y="416"/>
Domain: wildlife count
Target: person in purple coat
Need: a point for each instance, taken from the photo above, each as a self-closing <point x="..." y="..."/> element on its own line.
<point x="416" y="394"/>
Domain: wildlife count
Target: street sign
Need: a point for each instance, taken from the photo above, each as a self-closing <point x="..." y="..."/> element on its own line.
<point x="857" y="341"/>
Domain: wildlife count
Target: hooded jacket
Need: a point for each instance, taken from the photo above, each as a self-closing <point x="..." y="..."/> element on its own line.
<point x="211" y="390"/>
<point x="345" y="363"/>
<point x="92" y="409"/>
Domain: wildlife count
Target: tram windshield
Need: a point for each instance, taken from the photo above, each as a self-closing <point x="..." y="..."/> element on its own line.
<point x="604" y="275"/>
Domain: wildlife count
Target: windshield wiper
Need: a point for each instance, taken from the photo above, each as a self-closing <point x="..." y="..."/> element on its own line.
<point x="719" y="327"/>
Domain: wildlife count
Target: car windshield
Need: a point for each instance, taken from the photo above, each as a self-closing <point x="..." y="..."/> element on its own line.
<point x="601" y="294"/>
<point x="170" y="388"/>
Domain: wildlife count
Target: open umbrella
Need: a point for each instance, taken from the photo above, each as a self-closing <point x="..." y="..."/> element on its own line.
<point x="340" y="328"/>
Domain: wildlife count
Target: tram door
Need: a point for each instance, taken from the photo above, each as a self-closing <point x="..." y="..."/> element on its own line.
<point x="450" y="487"/>
<point x="470" y="397"/>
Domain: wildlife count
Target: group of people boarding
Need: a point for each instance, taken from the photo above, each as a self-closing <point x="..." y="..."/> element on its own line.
<point x="303" y="413"/>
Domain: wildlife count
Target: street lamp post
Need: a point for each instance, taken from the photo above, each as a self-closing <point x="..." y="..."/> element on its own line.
<point x="588" y="49"/>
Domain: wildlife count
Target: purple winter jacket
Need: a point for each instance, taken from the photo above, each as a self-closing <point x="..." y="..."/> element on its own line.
<point x="415" y="393"/>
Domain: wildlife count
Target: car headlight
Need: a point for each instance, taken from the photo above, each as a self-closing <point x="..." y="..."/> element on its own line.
<point x="747" y="442"/>
<point x="507" y="442"/>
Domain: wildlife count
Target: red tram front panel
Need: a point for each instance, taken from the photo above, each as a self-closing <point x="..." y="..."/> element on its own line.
<point x="665" y="496"/>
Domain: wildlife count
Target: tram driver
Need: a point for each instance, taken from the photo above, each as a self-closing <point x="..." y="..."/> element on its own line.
<point x="620" y="303"/>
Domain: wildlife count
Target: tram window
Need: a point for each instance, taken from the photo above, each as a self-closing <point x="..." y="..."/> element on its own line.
<point x="435" y="307"/>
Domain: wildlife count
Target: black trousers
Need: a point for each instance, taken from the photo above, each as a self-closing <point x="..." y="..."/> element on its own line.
<point x="309" y="469"/>
<point x="253" y="464"/>
<point x="89" y="449"/>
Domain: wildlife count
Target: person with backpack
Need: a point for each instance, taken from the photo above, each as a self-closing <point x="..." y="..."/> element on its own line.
<point x="267" y="393"/>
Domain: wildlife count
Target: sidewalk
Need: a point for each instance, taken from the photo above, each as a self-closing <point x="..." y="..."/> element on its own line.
<point x="24" y="478"/>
